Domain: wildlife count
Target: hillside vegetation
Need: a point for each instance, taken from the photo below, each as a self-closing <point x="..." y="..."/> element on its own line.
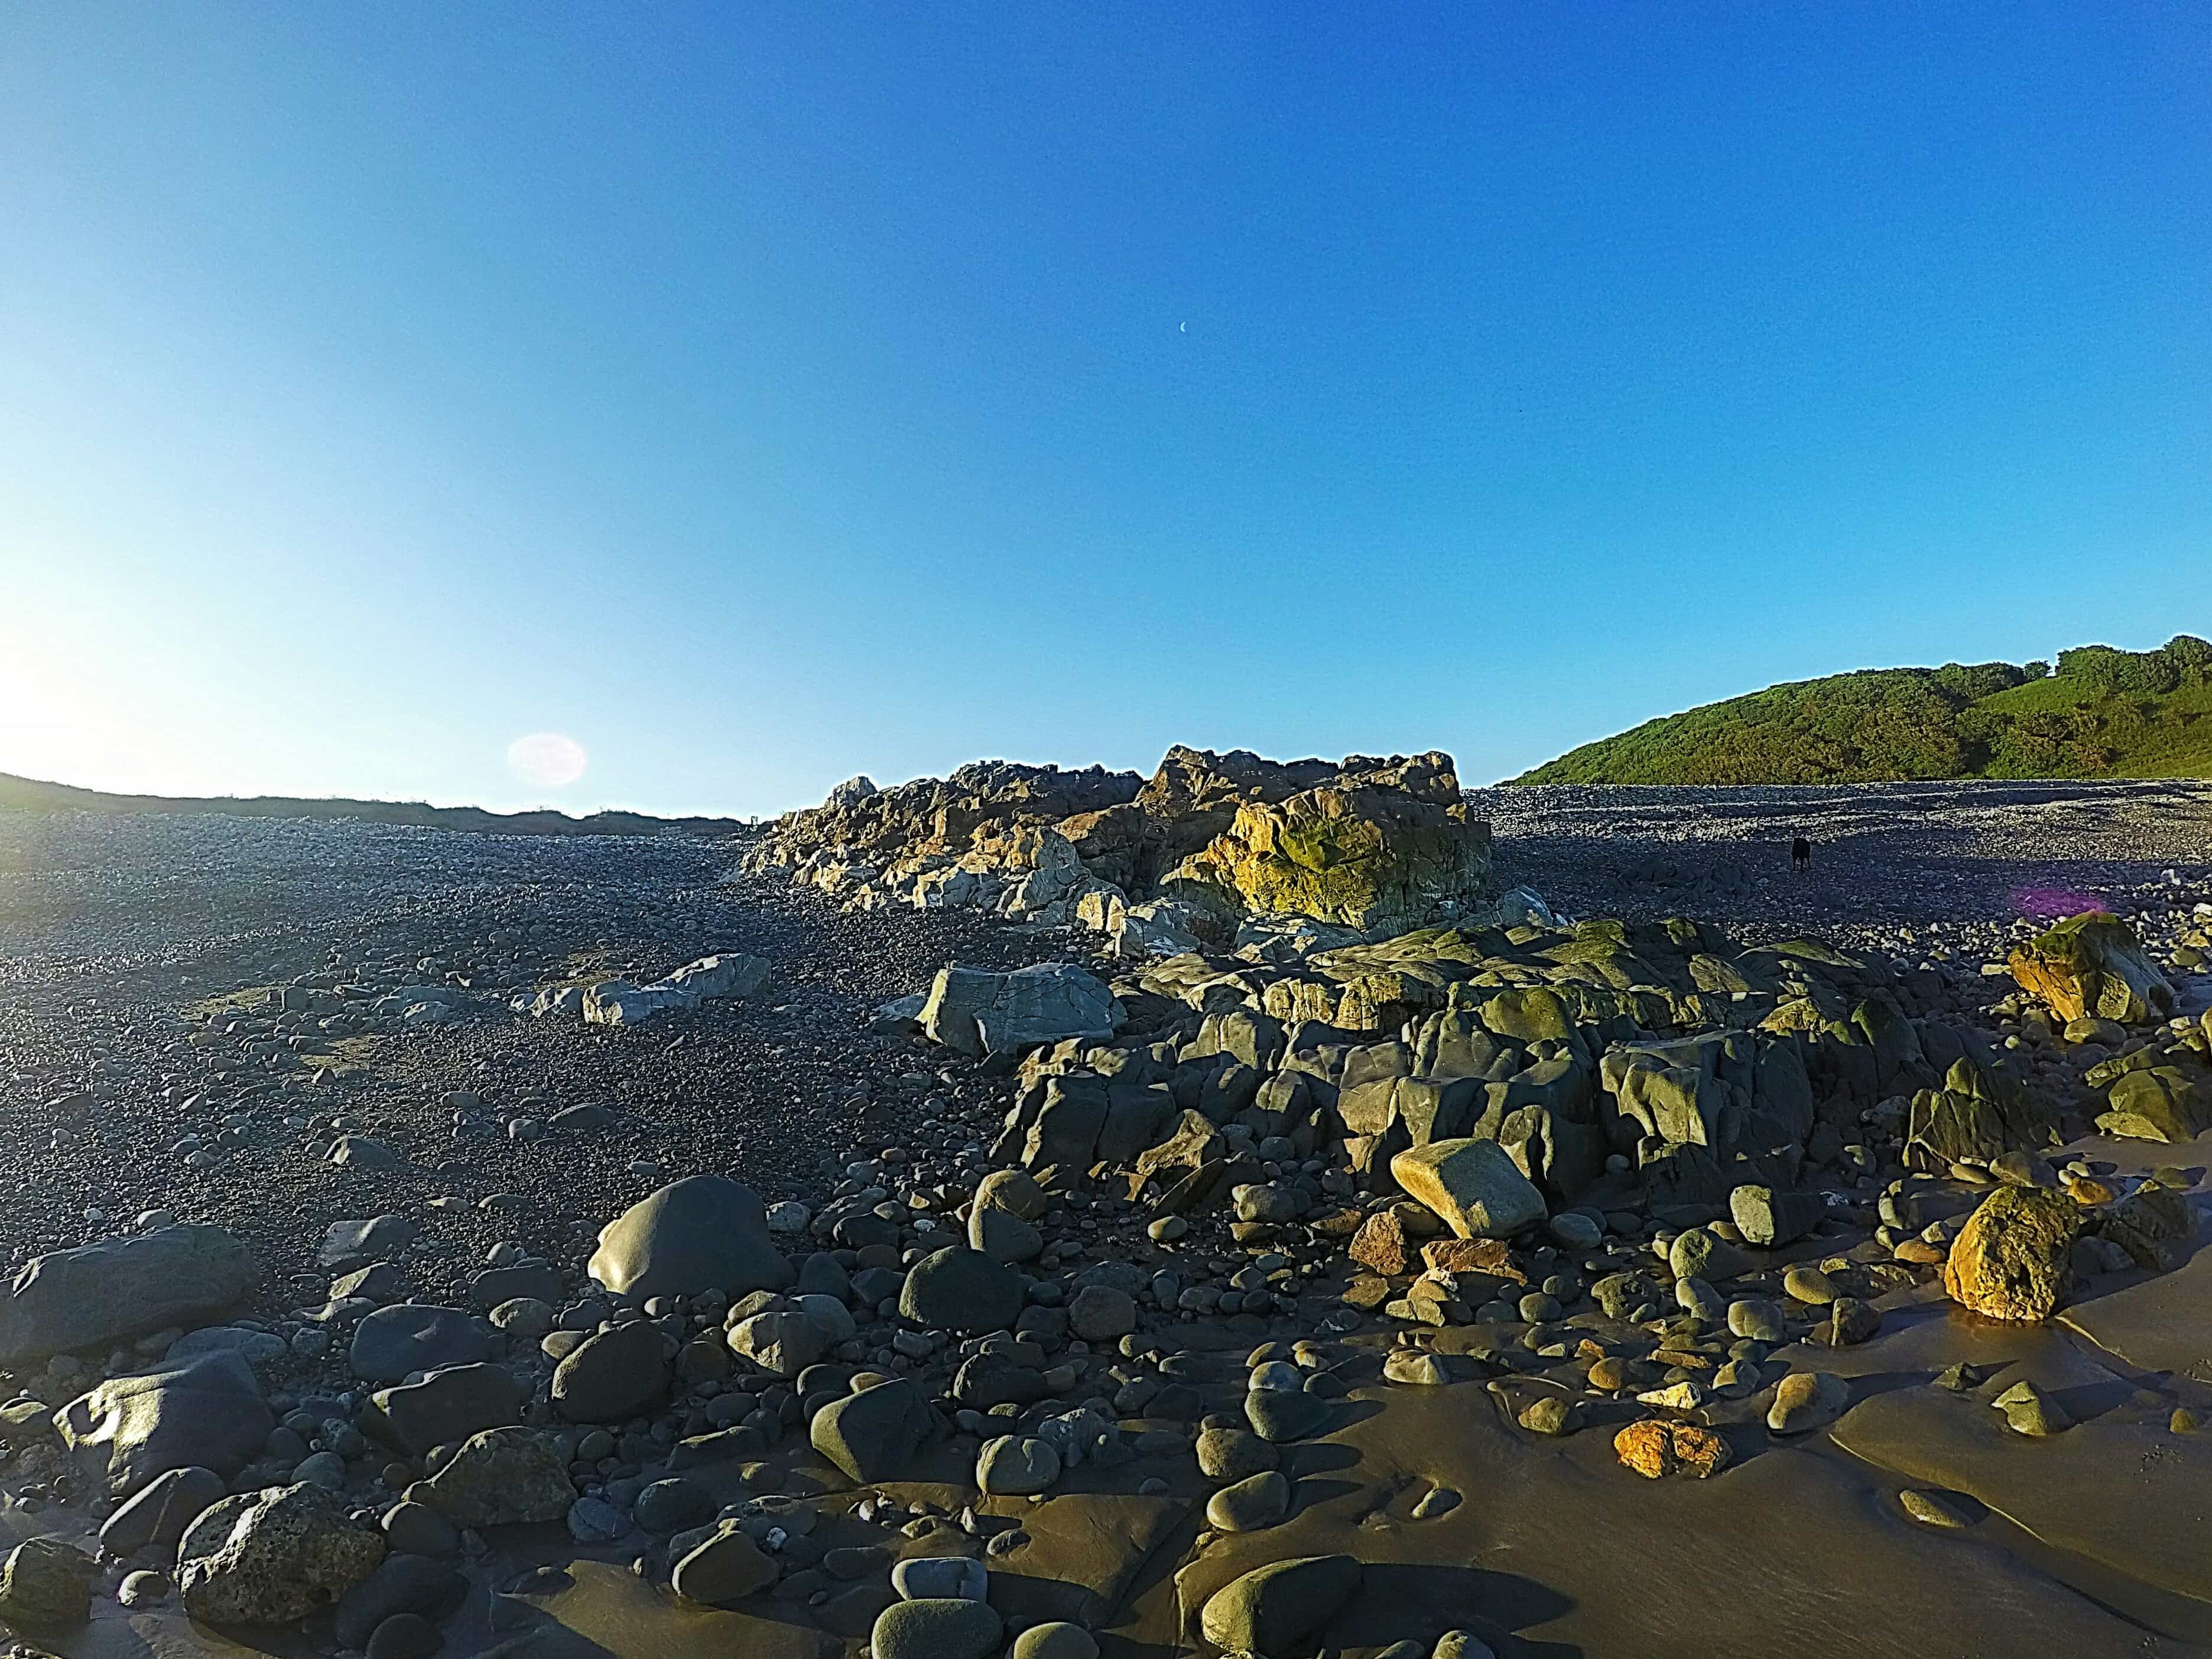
<point x="2103" y="714"/>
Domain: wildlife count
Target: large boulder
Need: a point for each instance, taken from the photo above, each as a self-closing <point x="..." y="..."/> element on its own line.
<point x="46" y="1585"/>
<point x="1379" y="859"/>
<point x="704" y="1232"/>
<point x="612" y="1376"/>
<point x="1275" y="1610"/>
<point x="937" y="1627"/>
<point x="392" y="1343"/>
<point x="2157" y="1103"/>
<point x="873" y="1435"/>
<point x="164" y="1507"/>
<point x="958" y="1289"/>
<point x="977" y="1012"/>
<point x="782" y="1343"/>
<point x="1978" y="1114"/>
<point x="2093" y="965"/>
<point x="2013" y="1259"/>
<point x="500" y="1478"/>
<point x="130" y="1430"/>
<point x="267" y="1557"/>
<point x="1473" y="1185"/>
<point x="114" y="1288"/>
<point x="444" y="1409"/>
<point x="727" y="1567"/>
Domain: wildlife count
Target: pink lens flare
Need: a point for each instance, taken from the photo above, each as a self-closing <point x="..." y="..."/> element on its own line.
<point x="2054" y="903"/>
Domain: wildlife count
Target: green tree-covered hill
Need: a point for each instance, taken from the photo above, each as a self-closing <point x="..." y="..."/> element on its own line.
<point x="2103" y="714"/>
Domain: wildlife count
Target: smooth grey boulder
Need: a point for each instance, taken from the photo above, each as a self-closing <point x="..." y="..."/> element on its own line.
<point x="705" y="1232"/>
<point x="164" y="1507"/>
<point x="958" y="1289"/>
<point x="782" y="1344"/>
<point x="130" y="1430"/>
<point x="941" y="1578"/>
<point x="1016" y="1466"/>
<point x="975" y="1011"/>
<point x="1234" y="1455"/>
<point x="1258" y="1501"/>
<point x="1281" y="1414"/>
<point x="873" y="1435"/>
<point x="727" y="1567"/>
<point x="538" y="1281"/>
<point x="126" y="1286"/>
<point x="392" y="1343"/>
<point x="444" y="1409"/>
<point x="613" y="1375"/>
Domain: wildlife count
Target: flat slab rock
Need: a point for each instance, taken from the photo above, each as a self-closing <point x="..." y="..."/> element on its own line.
<point x="121" y="1287"/>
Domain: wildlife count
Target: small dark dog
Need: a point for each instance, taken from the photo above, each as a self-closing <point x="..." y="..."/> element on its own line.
<point x="1801" y="853"/>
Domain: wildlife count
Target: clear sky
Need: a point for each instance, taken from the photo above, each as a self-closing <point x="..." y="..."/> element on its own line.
<point x="755" y="395"/>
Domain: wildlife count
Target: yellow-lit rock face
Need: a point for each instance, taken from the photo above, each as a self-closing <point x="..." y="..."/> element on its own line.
<point x="2013" y="1259"/>
<point x="2093" y="965"/>
<point x="1374" y="859"/>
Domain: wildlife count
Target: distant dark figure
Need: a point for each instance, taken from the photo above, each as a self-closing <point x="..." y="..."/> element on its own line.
<point x="1801" y="853"/>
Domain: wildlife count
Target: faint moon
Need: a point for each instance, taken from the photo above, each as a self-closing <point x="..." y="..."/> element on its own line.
<point x="547" y="759"/>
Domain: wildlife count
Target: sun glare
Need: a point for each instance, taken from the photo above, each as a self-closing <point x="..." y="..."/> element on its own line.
<point x="547" y="759"/>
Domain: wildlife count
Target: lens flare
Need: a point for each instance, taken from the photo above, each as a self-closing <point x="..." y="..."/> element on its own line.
<point x="2053" y="904"/>
<point x="547" y="759"/>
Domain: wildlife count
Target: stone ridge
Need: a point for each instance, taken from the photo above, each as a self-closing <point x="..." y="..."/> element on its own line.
<point x="1374" y="843"/>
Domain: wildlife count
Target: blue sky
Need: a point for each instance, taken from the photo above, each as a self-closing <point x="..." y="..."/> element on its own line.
<point x="760" y="395"/>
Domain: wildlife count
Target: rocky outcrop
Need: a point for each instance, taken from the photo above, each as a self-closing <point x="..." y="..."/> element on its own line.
<point x="2092" y="965"/>
<point x="1381" y="860"/>
<point x="1656" y="1068"/>
<point x="1375" y="844"/>
<point x="730" y="977"/>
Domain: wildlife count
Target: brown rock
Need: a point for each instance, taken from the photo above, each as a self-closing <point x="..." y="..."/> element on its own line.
<point x="1472" y="1255"/>
<point x="1654" y="1448"/>
<point x="1700" y="1452"/>
<point x="1647" y="1447"/>
<point x="2012" y="1260"/>
<point x="1380" y="1243"/>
